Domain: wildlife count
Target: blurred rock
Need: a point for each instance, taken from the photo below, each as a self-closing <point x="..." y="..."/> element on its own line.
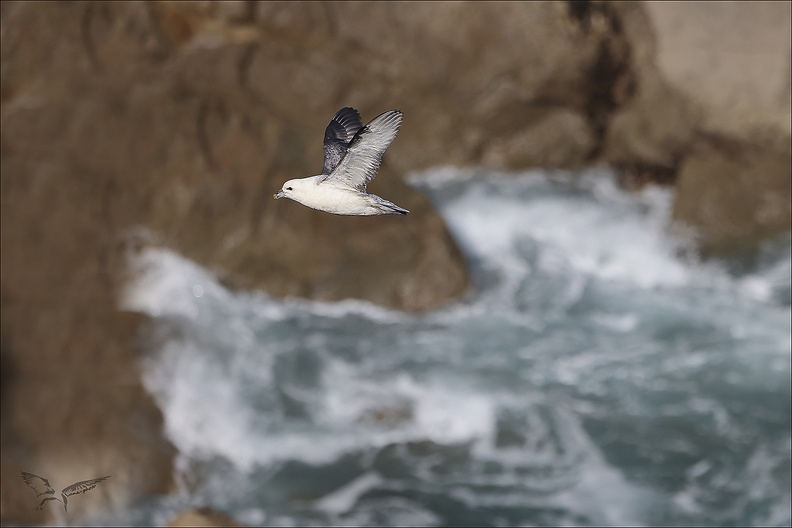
<point x="711" y="109"/>
<point x="732" y="62"/>
<point x="734" y="193"/>
<point x="203" y="517"/>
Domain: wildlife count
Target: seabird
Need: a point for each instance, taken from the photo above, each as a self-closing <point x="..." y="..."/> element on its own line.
<point x="352" y="155"/>
<point x="42" y="487"/>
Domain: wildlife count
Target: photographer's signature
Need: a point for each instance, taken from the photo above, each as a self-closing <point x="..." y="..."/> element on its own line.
<point x="42" y="487"/>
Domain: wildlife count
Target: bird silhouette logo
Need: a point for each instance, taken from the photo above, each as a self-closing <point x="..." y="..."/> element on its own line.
<point x="42" y="487"/>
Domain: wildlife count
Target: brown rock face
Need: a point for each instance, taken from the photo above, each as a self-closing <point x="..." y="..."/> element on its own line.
<point x="169" y="134"/>
<point x="202" y="517"/>
<point x="752" y="203"/>
<point x="711" y="110"/>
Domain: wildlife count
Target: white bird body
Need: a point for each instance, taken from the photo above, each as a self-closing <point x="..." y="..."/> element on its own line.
<point x="352" y="155"/>
<point x="337" y="199"/>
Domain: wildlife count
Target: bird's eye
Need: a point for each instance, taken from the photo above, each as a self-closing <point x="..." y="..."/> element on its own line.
<point x="289" y="189"/>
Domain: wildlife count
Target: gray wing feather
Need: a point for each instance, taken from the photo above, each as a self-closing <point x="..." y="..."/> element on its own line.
<point x="364" y="153"/>
<point x="338" y="134"/>
<point x="38" y="484"/>
<point x="82" y="486"/>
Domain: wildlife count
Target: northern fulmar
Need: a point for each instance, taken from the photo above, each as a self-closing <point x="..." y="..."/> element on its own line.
<point x="352" y="155"/>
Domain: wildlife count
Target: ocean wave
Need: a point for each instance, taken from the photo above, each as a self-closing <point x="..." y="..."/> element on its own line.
<point x="595" y="375"/>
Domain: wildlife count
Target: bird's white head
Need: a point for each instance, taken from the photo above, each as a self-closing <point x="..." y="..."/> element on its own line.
<point x="293" y="189"/>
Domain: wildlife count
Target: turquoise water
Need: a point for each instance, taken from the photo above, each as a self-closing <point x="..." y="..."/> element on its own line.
<point x="592" y="376"/>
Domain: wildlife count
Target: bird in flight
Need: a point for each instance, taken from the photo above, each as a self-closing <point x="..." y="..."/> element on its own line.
<point x="352" y="155"/>
<point x="42" y="487"/>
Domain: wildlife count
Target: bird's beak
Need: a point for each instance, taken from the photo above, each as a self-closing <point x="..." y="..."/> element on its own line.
<point x="279" y="194"/>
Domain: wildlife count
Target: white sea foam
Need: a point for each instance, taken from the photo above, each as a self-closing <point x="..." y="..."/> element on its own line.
<point x="220" y="421"/>
<point x="344" y="498"/>
<point x="601" y="233"/>
<point x="585" y="315"/>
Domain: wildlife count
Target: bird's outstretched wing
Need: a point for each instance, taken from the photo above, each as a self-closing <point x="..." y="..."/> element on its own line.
<point x="45" y="500"/>
<point x="82" y="486"/>
<point x="362" y="158"/>
<point x="338" y="134"/>
<point x="38" y="484"/>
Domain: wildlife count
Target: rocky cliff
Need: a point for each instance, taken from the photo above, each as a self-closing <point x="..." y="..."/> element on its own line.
<point x="179" y="120"/>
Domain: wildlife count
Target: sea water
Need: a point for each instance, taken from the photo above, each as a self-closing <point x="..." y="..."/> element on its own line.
<point x="596" y="373"/>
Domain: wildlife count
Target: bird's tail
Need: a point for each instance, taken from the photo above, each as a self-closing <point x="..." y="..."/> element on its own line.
<point x="387" y="207"/>
<point x="395" y="209"/>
